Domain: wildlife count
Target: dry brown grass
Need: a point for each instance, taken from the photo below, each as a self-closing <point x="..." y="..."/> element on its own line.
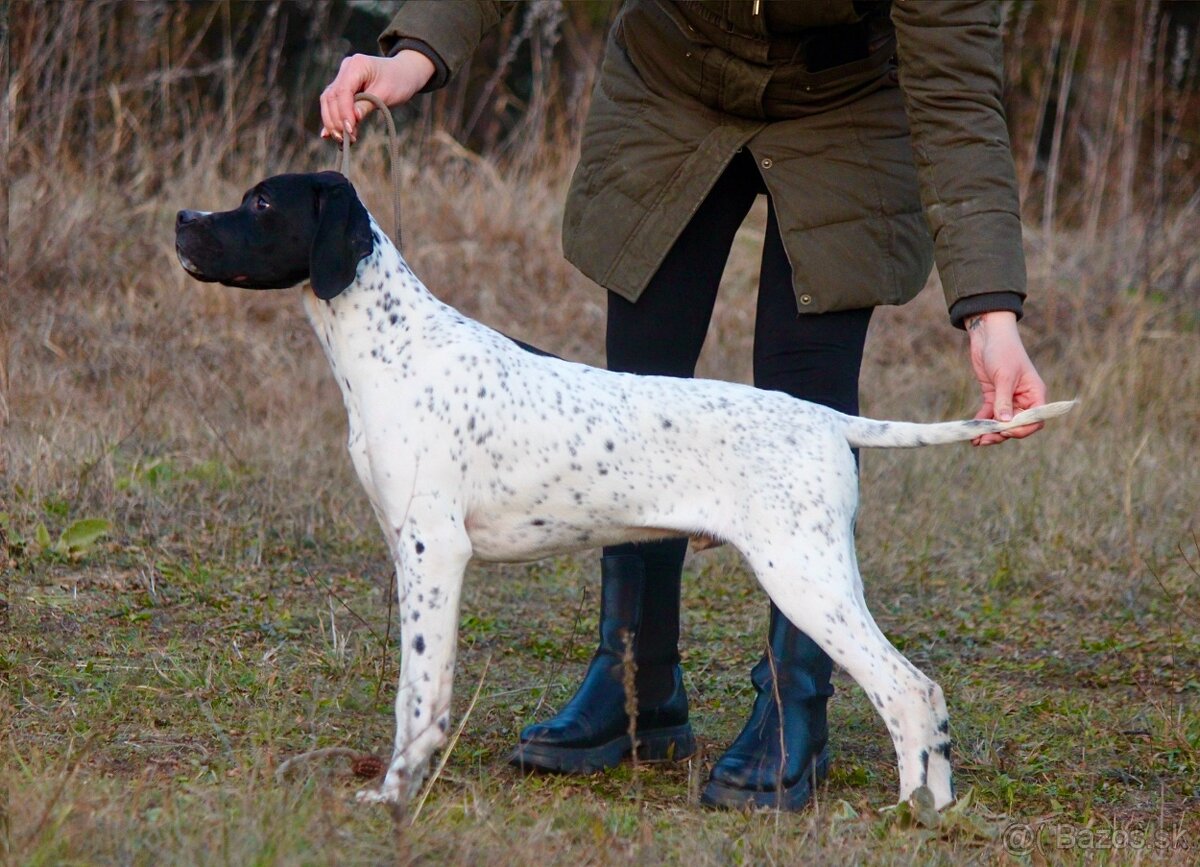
<point x="152" y="684"/>
<point x="120" y="364"/>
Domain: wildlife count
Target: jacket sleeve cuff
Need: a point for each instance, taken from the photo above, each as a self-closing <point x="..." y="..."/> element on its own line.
<point x="988" y="302"/>
<point x="980" y="255"/>
<point x="445" y="31"/>
<point x="441" y="72"/>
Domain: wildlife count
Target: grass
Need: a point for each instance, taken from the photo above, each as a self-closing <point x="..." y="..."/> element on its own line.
<point x="235" y="614"/>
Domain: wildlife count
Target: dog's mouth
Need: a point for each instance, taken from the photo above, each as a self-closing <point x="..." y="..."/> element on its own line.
<point x="188" y="264"/>
<point x="194" y="270"/>
<point x="198" y="273"/>
<point x="214" y="265"/>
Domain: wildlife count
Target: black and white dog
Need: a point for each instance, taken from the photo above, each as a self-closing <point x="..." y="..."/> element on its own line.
<point x="470" y="446"/>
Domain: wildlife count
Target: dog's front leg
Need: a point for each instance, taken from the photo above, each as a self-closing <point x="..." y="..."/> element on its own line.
<point x="432" y="550"/>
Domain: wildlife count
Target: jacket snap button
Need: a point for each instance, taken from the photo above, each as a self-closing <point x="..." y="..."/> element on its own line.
<point x="806" y="299"/>
<point x="767" y="162"/>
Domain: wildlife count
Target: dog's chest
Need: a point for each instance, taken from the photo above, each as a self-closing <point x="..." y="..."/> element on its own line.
<point x="366" y="334"/>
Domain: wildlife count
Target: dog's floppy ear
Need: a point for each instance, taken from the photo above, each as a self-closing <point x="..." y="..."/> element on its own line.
<point x="342" y="238"/>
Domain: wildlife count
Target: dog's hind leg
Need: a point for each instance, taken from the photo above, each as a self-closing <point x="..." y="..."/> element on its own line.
<point x="827" y="603"/>
<point x="432" y="551"/>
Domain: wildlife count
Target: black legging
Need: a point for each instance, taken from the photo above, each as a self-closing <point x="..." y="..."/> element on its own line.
<point x="816" y="357"/>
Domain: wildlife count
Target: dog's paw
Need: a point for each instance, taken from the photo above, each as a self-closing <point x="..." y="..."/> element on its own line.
<point x="376" y="796"/>
<point x="398" y="788"/>
<point x="396" y="805"/>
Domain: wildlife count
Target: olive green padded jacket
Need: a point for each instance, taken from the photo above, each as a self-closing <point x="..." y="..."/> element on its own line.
<point x="878" y="129"/>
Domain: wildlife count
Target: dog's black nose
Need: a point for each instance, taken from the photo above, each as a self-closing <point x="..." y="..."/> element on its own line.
<point x="185" y="217"/>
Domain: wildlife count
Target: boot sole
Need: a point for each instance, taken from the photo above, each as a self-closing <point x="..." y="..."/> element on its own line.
<point x="792" y="799"/>
<point x="659" y="745"/>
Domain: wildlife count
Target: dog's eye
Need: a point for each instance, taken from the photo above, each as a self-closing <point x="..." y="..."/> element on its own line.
<point x="260" y="203"/>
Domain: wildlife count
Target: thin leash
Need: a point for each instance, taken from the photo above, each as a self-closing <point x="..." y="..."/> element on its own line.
<point x="343" y="166"/>
<point x="343" y="163"/>
<point x="363" y="764"/>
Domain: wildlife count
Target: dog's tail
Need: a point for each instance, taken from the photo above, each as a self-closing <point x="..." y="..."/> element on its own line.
<point x="868" y="433"/>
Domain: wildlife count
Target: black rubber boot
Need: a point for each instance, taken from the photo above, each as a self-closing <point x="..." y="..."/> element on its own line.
<point x="780" y="755"/>
<point x="591" y="732"/>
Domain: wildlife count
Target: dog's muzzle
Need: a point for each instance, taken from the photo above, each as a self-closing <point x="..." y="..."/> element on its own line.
<point x="189" y="241"/>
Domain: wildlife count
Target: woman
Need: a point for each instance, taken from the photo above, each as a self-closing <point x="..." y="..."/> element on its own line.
<point x="878" y="135"/>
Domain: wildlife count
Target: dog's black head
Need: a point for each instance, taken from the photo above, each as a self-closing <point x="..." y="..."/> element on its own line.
<point x="288" y="229"/>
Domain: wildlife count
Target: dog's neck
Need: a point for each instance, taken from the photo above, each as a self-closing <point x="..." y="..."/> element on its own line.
<point x="384" y="293"/>
<point x="383" y="273"/>
<point x="371" y="326"/>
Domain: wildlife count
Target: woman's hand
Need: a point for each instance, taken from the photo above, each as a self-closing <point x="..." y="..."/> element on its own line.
<point x="393" y="79"/>
<point x="1006" y="376"/>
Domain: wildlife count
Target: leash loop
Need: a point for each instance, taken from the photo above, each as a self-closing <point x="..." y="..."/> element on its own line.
<point x="343" y="162"/>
